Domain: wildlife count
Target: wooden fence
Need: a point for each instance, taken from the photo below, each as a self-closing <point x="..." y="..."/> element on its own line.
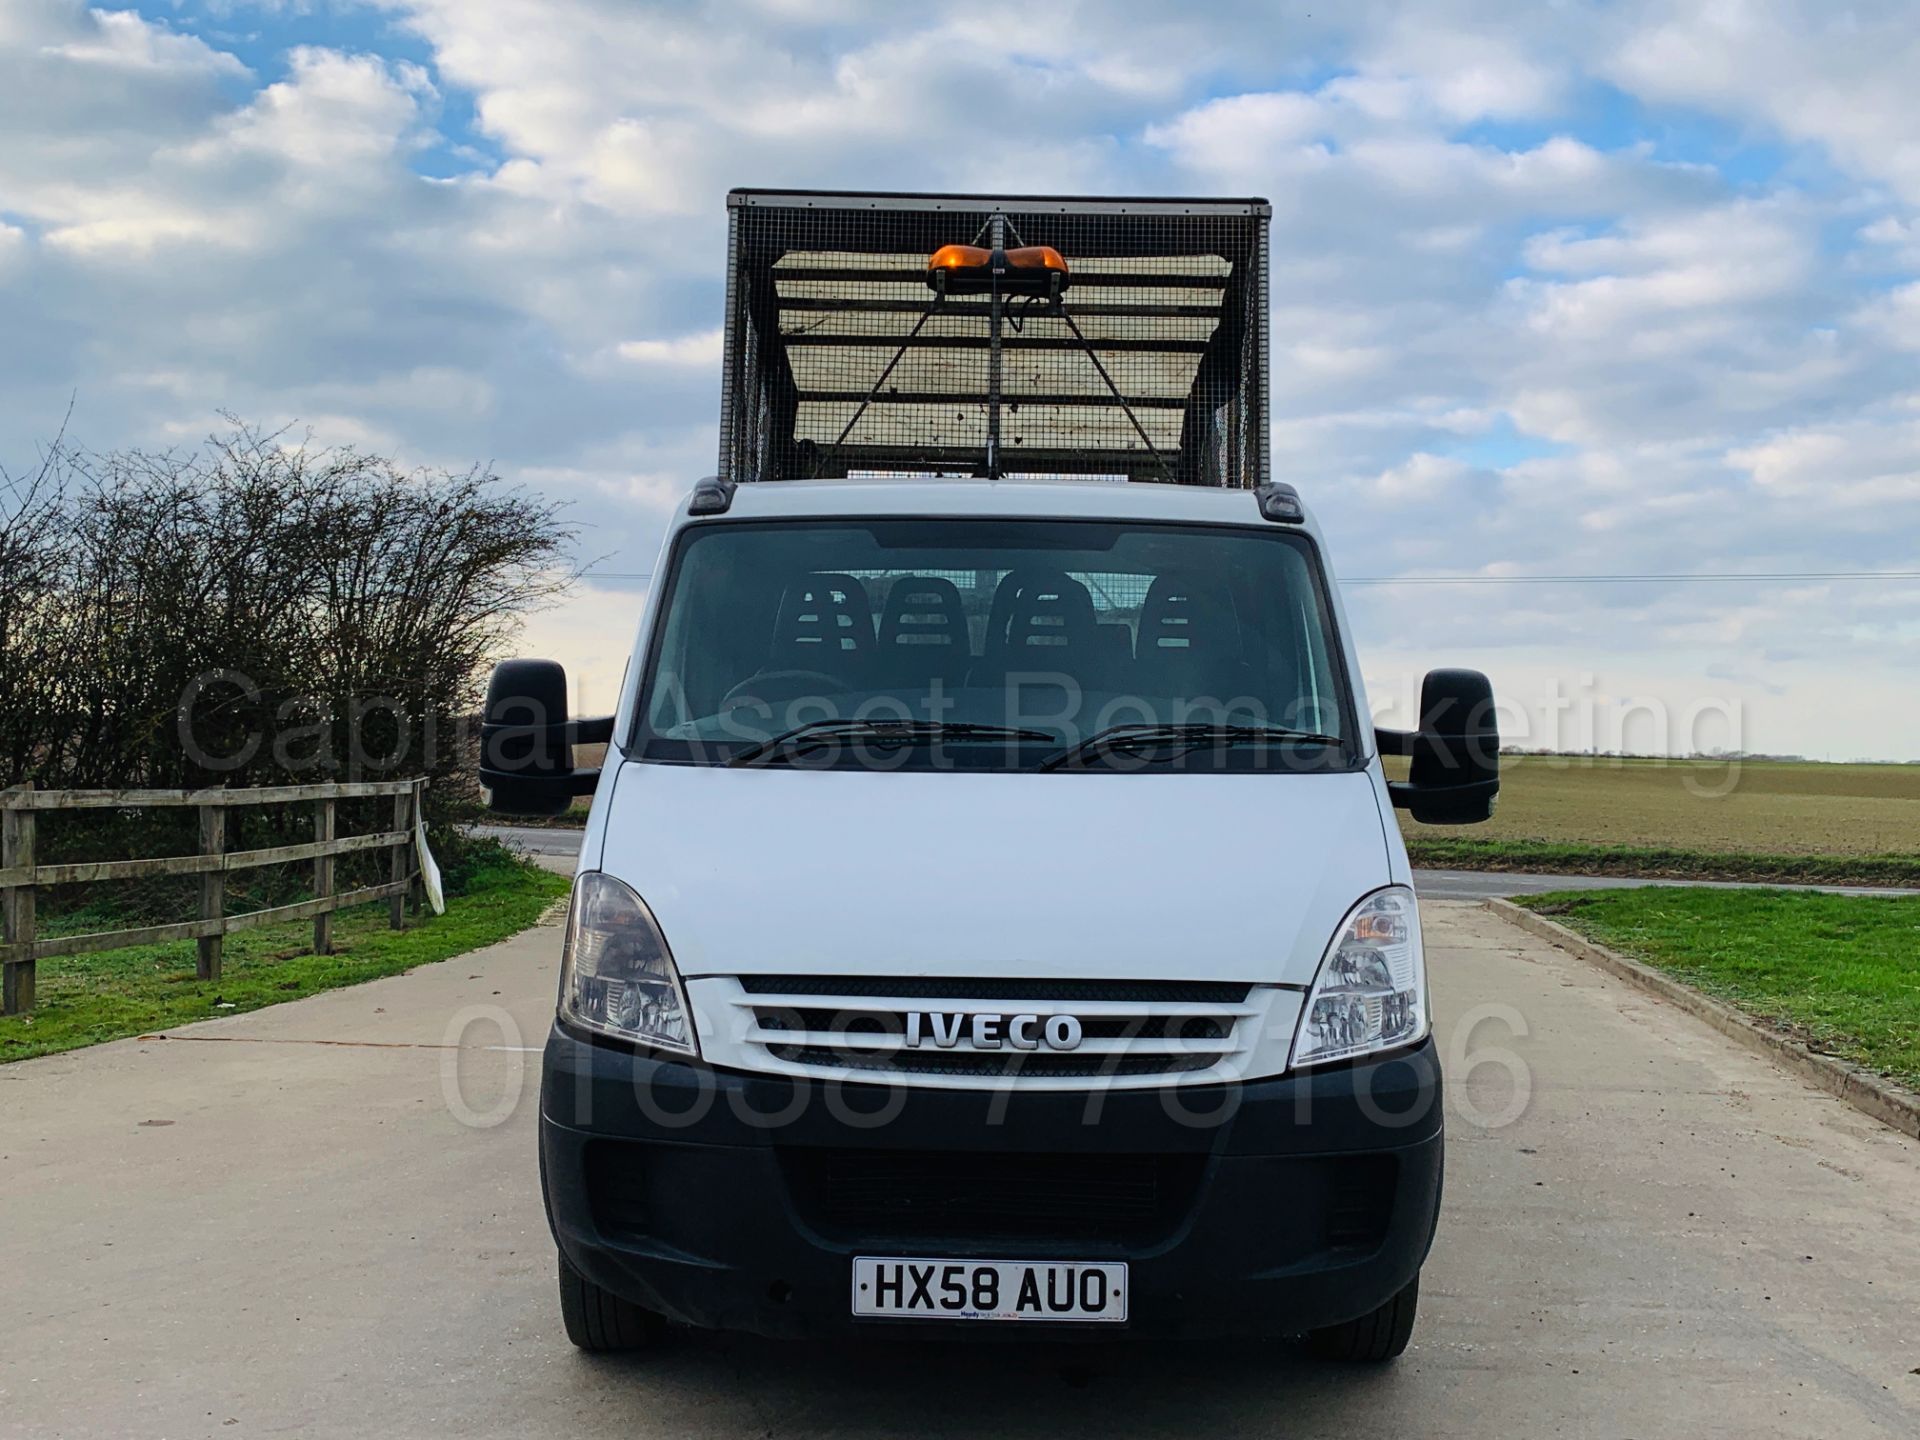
<point x="20" y="874"/>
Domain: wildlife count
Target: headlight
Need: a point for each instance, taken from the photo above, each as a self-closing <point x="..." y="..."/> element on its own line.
<point x="616" y="974"/>
<point x="1371" y="992"/>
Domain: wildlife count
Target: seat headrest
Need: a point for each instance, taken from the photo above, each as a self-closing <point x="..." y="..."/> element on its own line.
<point x="1051" y="609"/>
<point x="823" y="613"/>
<point x="924" y="610"/>
<point x="1179" y="615"/>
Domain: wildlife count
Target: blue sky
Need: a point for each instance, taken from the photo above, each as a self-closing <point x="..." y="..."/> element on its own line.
<point x="1625" y="287"/>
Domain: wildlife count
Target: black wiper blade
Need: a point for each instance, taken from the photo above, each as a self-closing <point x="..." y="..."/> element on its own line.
<point x="1182" y="739"/>
<point x="816" y="733"/>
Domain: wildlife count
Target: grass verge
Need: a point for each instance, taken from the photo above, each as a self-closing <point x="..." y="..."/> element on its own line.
<point x="85" y="999"/>
<point x="1840" y="973"/>
<point x="1555" y="857"/>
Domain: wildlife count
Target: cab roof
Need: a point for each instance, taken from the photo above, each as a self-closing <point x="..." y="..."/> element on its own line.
<point x="1065" y="499"/>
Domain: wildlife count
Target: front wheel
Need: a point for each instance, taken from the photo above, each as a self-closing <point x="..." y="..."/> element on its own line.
<point x="601" y="1322"/>
<point x="1375" y="1337"/>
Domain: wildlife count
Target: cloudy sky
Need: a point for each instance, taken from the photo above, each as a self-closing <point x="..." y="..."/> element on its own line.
<point x="1559" y="288"/>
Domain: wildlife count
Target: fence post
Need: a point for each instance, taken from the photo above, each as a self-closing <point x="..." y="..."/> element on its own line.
<point x="213" y="889"/>
<point x="397" y="906"/>
<point x="417" y="891"/>
<point x="16" y="849"/>
<point x="323" y="828"/>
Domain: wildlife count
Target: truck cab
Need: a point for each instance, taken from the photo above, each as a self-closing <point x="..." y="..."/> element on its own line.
<point x="991" y="909"/>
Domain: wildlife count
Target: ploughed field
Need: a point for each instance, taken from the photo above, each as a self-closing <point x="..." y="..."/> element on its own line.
<point x="1818" y="822"/>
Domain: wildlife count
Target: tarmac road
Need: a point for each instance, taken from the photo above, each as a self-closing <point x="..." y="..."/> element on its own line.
<point x="323" y="1219"/>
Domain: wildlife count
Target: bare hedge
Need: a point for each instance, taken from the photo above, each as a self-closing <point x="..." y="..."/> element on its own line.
<point x="256" y="611"/>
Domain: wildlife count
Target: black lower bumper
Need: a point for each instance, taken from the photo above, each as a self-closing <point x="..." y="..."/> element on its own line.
<point x="737" y="1202"/>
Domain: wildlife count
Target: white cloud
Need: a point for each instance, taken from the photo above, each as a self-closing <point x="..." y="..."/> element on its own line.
<point x="334" y="113"/>
<point x="138" y="225"/>
<point x="1236" y="132"/>
<point x="1664" y="272"/>
<point x="1889" y="244"/>
<point x="1870" y="463"/>
<point x="1462" y="73"/>
<point x="1894" y="316"/>
<point x="117" y="39"/>
<point x="1840" y="76"/>
<point x="1422" y="477"/>
<point x="702" y="349"/>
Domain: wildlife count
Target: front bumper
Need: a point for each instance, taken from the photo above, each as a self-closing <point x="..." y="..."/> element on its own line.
<point x="737" y="1201"/>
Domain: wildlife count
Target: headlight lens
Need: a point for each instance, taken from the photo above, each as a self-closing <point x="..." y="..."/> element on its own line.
<point x="1371" y="993"/>
<point x="616" y="974"/>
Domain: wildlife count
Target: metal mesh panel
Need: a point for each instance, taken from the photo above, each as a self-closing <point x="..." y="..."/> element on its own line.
<point x="843" y="360"/>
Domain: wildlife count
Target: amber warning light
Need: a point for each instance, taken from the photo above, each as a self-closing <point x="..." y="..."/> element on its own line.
<point x="961" y="257"/>
<point x="970" y="269"/>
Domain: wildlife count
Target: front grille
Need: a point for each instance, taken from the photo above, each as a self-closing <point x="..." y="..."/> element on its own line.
<point x="819" y="1024"/>
<point x="991" y="1064"/>
<point x="864" y="1196"/>
<point x="1172" y="992"/>
<point x="884" y="1025"/>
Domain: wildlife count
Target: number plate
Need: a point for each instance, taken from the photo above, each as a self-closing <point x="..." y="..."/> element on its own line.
<point x="900" y="1288"/>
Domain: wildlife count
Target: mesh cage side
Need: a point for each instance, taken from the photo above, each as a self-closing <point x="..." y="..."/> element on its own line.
<point x="841" y="360"/>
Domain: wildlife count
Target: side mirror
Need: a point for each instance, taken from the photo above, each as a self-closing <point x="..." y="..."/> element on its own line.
<point x="526" y="741"/>
<point x="1455" y="775"/>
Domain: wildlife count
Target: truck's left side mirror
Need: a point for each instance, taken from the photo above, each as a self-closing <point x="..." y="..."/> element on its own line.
<point x="526" y="740"/>
<point x="1454" y="777"/>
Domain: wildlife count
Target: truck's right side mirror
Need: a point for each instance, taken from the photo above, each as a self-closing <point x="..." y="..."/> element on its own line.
<point x="1454" y="777"/>
<point x="526" y="740"/>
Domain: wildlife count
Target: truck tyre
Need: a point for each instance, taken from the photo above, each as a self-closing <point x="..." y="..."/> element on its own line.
<point x="602" y="1323"/>
<point x="1375" y="1337"/>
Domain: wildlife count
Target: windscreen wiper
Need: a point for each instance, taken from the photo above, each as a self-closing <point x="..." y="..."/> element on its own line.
<point x="1180" y="740"/>
<point x="884" y="733"/>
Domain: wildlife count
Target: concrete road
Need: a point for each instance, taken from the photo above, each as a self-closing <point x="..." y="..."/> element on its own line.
<point x="1432" y="884"/>
<point x="305" y="1221"/>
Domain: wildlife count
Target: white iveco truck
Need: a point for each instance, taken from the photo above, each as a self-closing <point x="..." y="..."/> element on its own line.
<point x="991" y="910"/>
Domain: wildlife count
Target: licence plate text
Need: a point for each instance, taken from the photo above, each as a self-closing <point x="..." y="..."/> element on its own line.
<point x="896" y="1287"/>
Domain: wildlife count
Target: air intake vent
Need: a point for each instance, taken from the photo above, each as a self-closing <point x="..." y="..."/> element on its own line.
<point x="873" y="1195"/>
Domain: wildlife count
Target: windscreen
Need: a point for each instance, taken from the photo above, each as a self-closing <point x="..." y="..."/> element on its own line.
<point x="1054" y="631"/>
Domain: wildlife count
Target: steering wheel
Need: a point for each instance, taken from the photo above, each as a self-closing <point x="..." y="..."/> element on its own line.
<point x="774" y="686"/>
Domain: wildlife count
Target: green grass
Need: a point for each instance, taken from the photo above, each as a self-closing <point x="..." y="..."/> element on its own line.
<point x="1467" y="851"/>
<point x="1840" y="972"/>
<point x="85" y="999"/>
